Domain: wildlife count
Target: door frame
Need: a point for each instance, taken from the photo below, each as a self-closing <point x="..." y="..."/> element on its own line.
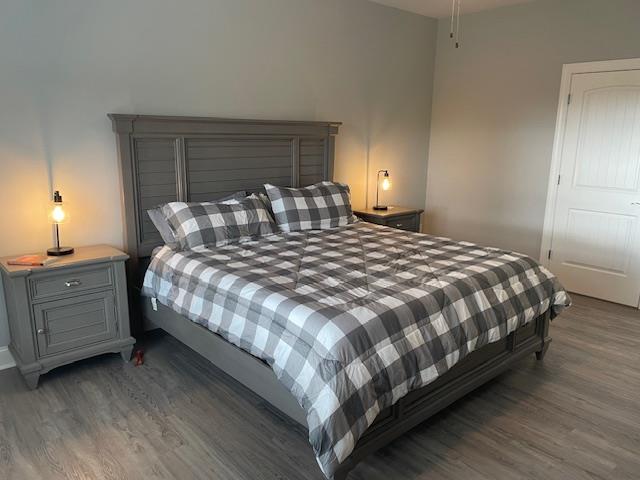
<point x="568" y="70"/>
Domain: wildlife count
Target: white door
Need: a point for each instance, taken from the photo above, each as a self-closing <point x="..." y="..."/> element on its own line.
<point x="595" y="248"/>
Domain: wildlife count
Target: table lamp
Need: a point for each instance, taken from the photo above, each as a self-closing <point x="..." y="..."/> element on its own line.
<point x="385" y="184"/>
<point x="57" y="215"/>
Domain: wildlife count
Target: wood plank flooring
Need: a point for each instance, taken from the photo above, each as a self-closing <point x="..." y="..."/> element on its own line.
<point x="576" y="415"/>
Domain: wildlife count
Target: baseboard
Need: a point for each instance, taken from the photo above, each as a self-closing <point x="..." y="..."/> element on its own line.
<point x="6" y="360"/>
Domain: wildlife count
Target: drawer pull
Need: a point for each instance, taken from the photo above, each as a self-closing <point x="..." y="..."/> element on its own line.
<point x="72" y="283"/>
<point x="41" y="331"/>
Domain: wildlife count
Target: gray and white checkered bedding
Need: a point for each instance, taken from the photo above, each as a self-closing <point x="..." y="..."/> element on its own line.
<point x="351" y="319"/>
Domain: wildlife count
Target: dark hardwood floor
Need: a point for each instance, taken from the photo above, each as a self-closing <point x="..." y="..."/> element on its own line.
<point x="576" y="415"/>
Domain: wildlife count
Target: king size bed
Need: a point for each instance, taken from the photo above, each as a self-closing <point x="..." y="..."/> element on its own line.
<point x="358" y="332"/>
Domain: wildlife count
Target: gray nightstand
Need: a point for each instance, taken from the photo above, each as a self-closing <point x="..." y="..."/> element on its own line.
<point x="71" y="309"/>
<point x="397" y="217"/>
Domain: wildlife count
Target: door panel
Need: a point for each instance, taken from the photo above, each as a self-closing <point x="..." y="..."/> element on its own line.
<point x="596" y="238"/>
<point x="609" y="139"/>
<point x="611" y="252"/>
<point x="75" y="322"/>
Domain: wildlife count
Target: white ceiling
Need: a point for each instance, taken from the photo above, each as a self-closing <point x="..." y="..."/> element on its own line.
<point x="442" y="8"/>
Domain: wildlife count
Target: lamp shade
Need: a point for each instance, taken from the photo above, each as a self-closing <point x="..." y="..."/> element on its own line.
<point x="386" y="182"/>
<point x="58" y="213"/>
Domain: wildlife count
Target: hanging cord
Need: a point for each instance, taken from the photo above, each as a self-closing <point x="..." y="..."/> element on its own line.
<point x="453" y="14"/>
<point x="458" y="24"/>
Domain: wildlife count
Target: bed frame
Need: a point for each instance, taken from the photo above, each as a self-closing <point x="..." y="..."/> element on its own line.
<point x="166" y="159"/>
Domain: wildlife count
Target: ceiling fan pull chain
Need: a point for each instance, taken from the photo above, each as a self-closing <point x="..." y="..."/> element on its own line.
<point x="453" y="14"/>
<point x="458" y="24"/>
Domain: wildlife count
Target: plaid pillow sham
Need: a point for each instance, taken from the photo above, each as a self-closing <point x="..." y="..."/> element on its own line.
<point x="316" y="207"/>
<point x="218" y="224"/>
<point x="164" y="229"/>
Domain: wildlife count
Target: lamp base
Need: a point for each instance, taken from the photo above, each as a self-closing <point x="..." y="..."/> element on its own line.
<point x="59" y="251"/>
<point x="380" y="207"/>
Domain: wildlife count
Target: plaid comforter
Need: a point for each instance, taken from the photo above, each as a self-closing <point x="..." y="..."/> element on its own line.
<point x="351" y="319"/>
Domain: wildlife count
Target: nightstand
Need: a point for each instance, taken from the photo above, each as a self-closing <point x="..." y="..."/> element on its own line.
<point x="396" y="217"/>
<point x="66" y="311"/>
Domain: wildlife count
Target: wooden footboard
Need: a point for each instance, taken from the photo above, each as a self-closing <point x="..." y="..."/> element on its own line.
<point x="417" y="406"/>
<point x="475" y="370"/>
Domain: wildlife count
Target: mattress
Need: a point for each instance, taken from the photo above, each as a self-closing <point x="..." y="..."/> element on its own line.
<point x="352" y="319"/>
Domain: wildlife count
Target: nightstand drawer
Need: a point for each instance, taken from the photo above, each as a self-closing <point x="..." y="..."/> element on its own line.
<point x="63" y="325"/>
<point x="406" y="222"/>
<point x="50" y="285"/>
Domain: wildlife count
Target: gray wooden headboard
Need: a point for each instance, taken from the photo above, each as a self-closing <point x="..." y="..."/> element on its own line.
<point x="164" y="159"/>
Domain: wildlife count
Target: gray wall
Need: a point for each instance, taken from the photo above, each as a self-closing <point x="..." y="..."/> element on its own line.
<point x="65" y="64"/>
<point x="494" y="110"/>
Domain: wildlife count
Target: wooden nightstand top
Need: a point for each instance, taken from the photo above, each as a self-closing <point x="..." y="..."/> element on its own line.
<point x="81" y="256"/>
<point x="392" y="211"/>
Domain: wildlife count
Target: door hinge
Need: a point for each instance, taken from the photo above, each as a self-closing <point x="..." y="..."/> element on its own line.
<point x="569" y="99"/>
<point x="549" y="255"/>
<point x="558" y="179"/>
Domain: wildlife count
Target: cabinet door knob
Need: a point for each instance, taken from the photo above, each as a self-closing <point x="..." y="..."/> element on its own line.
<point x="73" y="283"/>
<point x="41" y="331"/>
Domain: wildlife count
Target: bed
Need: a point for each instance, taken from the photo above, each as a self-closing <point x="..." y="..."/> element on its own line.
<point x="327" y="326"/>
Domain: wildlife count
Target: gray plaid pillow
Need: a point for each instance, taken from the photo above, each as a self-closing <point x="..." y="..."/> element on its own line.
<point x="164" y="229"/>
<point x="319" y="206"/>
<point x="218" y="224"/>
